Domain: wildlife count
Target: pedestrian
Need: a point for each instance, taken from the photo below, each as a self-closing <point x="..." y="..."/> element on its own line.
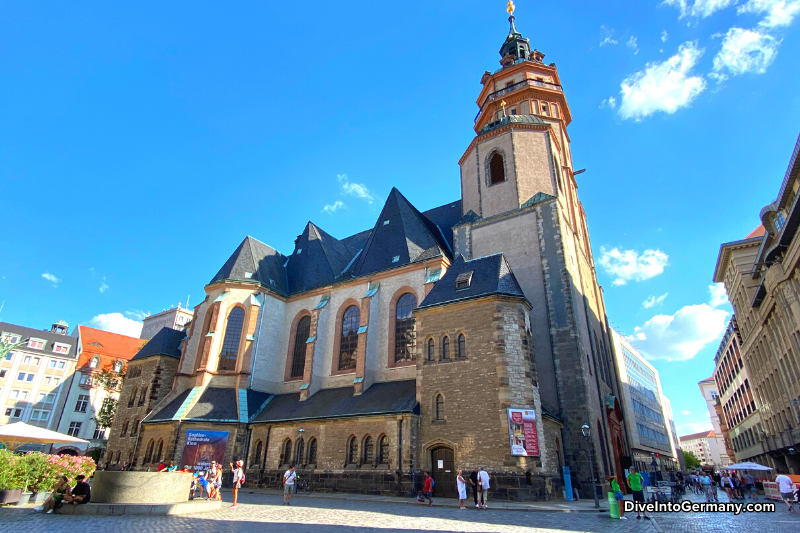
<point x="786" y="489"/>
<point x="473" y="481"/>
<point x="59" y="492"/>
<point x="708" y="487"/>
<point x="617" y="496"/>
<point x="81" y="492"/>
<point x="238" y="481"/>
<point x="483" y="486"/>
<point x="635" y="482"/>
<point x="211" y="477"/>
<point x="462" y="490"/>
<point x="289" y="478"/>
<point x="161" y="467"/>
<point x="750" y="487"/>
<point x="427" y="488"/>
<point x="727" y="485"/>
<point x="217" y="482"/>
<point x="172" y="467"/>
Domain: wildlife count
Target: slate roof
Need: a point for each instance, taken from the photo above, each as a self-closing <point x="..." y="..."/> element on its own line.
<point x="445" y="216"/>
<point x="171" y="408"/>
<point x="166" y="342"/>
<point x="263" y="262"/>
<point x="358" y="240"/>
<point x="391" y="397"/>
<point x="488" y="275"/>
<point x="255" y="401"/>
<point x="318" y="260"/>
<point x="51" y="339"/>
<point x="511" y="119"/>
<point x="216" y="404"/>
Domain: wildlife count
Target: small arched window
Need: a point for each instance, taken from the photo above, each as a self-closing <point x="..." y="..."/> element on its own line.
<point x="299" y="452"/>
<point x="124" y="429"/>
<point x="257" y="456"/>
<point x="545" y="109"/>
<point x="462" y="346"/>
<point x="135" y="427"/>
<point x="348" y="345"/>
<point x="142" y="397"/>
<point x="287" y="452"/>
<point x="383" y="450"/>
<point x="497" y="169"/>
<point x="404" y="339"/>
<point x="118" y="366"/>
<point x="439" y="408"/>
<point x="119" y="456"/>
<point x="431" y="350"/>
<point x="132" y="398"/>
<point x="352" y="451"/>
<point x="230" y="343"/>
<point x="148" y="454"/>
<point x="94" y="362"/>
<point x="312" y="452"/>
<point x="369" y="451"/>
<point x="446" y="349"/>
<point x="159" y="449"/>
<point x="299" y="352"/>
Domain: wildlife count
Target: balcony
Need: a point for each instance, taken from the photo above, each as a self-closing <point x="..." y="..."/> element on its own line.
<point x="519" y="85"/>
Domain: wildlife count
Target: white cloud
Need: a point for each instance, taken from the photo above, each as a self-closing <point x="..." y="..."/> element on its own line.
<point x="681" y="336"/>
<point x="609" y="102"/>
<point x="608" y="37"/>
<point x="632" y="44"/>
<point x="718" y="294"/>
<point x="335" y="206"/>
<point x="51" y="278"/>
<point x="136" y="314"/>
<point x="628" y="265"/>
<point x="654" y="301"/>
<point x="355" y="189"/>
<point x="694" y="427"/>
<point x="664" y="36"/>
<point x="745" y="51"/>
<point x="778" y="12"/>
<point x="117" y="323"/>
<point x="103" y="287"/>
<point x="666" y="86"/>
<point x="700" y="8"/>
<point x="686" y="413"/>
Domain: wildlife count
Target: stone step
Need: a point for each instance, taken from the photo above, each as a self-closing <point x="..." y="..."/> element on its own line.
<point x="116" y="509"/>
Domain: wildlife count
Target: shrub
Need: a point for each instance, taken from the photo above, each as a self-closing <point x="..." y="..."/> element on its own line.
<point x="39" y="472"/>
<point x="12" y="472"/>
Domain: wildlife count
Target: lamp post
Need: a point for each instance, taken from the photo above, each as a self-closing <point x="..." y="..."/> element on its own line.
<point x="587" y="435"/>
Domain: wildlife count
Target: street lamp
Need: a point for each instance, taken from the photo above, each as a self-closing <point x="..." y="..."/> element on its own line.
<point x="587" y="435"/>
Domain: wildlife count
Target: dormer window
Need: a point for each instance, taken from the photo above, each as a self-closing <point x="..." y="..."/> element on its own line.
<point x="299" y="251"/>
<point x="395" y="259"/>
<point x="118" y="366"/>
<point x="94" y="362"/>
<point x="463" y="281"/>
<point x="36" y="344"/>
<point x="247" y="275"/>
<point x="61" y="348"/>
<point x="386" y="222"/>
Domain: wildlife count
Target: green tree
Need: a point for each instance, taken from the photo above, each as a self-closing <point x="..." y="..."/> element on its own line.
<point x="6" y="346"/>
<point x="111" y="382"/>
<point x="691" y="460"/>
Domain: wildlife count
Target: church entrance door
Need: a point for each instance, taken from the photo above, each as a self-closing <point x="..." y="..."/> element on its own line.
<point x="444" y="474"/>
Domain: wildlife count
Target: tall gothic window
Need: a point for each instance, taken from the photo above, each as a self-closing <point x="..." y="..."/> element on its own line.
<point x="462" y="346"/>
<point x="132" y="398"/>
<point x="148" y="454"/>
<point x="446" y="349"/>
<point x="439" y="408"/>
<point x="257" y="457"/>
<point x="312" y="452"/>
<point x="404" y="338"/>
<point x="287" y="452"/>
<point x="299" y="352"/>
<point x="348" y="346"/>
<point x="159" y="449"/>
<point x="369" y="451"/>
<point x="352" y="451"/>
<point x="300" y="451"/>
<point x="383" y="450"/>
<point x="230" y="344"/>
<point x="497" y="169"/>
<point x="431" y="350"/>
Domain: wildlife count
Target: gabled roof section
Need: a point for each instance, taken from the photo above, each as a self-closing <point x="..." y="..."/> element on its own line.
<point x="401" y="236"/>
<point x="536" y="198"/>
<point x="99" y="342"/>
<point x="263" y="263"/>
<point x="318" y="260"/>
<point x="488" y="275"/>
<point x="445" y="216"/>
<point x="166" y="342"/>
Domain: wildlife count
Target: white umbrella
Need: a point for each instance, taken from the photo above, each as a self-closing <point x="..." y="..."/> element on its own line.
<point x="746" y="466"/>
<point x="15" y="435"/>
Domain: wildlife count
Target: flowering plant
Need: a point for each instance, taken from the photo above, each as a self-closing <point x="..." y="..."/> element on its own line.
<point x="39" y="472"/>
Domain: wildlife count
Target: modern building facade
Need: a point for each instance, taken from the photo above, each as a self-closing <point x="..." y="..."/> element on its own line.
<point x="177" y="318"/>
<point x="704" y="446"/>
<point x="708" y="388"/>
<point x="34" y="378"/>
<point x="761" y="276"/>
<point x="361" y="360"/>
<point x="649" y="427"/>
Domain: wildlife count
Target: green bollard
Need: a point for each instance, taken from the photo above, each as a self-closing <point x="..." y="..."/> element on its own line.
<point x="613" y="506"/>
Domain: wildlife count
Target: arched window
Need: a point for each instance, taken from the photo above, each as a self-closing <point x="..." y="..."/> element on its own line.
<point x="369" y="451"/>
<point x="159" y="449"/>
<point x="257" y="456"/>
<point x="348" y="345"/>
<point x="132" y="398"/>
<point x="287" y="452"/>
<point x="94" y="362"/>
<point x="142" y="397"/>
<point x="383" y="450"/>
<point x="446" y="349"/>
<point x="148" y="454"/>
<point x="497" y="169"/>
<point x="352" y="451"/>
<point x="118" y="366"/>
<point x="119" y="456"/>
<point x="545" y="109"/>
<point x="230" y="344"/>
<point x="431" y="350"/>
<point x="439" y="408"/>
<point x="299" y="352"/>
<point x="404" y="338"/>
<point x="462" y="346"/>
<point x="299" y="452"/>
<point x="312" y="452"/>
<point x="124" y="429"/>
<point x="135" y="427"/>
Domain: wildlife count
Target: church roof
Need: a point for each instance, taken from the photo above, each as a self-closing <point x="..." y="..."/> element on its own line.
<point x="511" y="119"/>
<point x="485" y="276"/>
<point x="318" y="260"/>
<point x="166" y="342"/>
<point x="262" y="262"/>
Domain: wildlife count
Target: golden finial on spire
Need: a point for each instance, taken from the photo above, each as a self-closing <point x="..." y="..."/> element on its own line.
<point x="510" y="7"/>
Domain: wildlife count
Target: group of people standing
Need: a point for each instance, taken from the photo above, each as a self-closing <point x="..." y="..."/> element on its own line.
<point x="210" y="482"/>
<point x="735" y="486"/>
<point x="478" y="482"/>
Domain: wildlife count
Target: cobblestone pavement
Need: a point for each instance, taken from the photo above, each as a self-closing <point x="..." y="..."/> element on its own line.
<point x="262" y="513"/>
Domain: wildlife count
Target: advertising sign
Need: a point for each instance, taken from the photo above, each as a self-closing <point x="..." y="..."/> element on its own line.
<point x="202" y="447"/>
<point x="522" y="430"/>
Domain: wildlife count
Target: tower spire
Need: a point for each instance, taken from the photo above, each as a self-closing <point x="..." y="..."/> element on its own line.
<point x="510" y="8"/>
<point x="516" y="46"/>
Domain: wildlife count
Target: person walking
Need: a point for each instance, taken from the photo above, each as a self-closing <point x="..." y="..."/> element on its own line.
<point x="427" y="488"/>
<point x="727" y="485"/>
<point x="708" y="487"/>
<point x="786" y="489"/>
<point x="617" y="496"/>
<point x="635" y="483"/>
<point x="750" y="487"/>
<point x="289" y="478"/>
<point x="461" y="485"/>
<point x="473" y="481"/>
<point x="238" y="481"/>
<point x="483" y="486"/>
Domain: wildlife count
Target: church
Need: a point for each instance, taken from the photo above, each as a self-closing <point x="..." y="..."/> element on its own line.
<point x="472" y="334"/>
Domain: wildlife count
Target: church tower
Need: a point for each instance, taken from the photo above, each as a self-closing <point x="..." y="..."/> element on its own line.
<point x="519" y="198"/>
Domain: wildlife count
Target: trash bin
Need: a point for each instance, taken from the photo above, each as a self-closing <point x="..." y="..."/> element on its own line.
<point x="613" y="506"/>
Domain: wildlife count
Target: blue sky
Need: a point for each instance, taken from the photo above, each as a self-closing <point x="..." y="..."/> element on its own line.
<point x="141" y="143"/>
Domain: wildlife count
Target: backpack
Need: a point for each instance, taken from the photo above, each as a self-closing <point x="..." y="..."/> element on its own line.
<point x="432" y="483"/>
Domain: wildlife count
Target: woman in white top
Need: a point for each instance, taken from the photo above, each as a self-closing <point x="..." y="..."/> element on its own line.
<point x="462" y="490"/>
<point x="727" y="485"/>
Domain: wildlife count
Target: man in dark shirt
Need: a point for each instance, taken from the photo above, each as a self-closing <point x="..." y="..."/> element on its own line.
<point x="81" y="494"/>
<point x="473" y="482"/>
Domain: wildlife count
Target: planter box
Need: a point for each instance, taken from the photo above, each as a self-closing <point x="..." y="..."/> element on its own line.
<point x="24" y="498"/>
<point x="10" y="495"/>
<point x="40" y="497"/>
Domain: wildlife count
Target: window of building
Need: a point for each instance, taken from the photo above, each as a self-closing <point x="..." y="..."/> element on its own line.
<point x="24" y="376"/>
<point x="74" y="429"/>
<point x="446" y="349"/>
<point x="352" y="451"/>
<point x="36" y="344"/>
<point x="85" y="379"/>
<point x="404" y="333"/>
<point x="19" y="394"/>
<point x="439" y="408"/>
<point x="462" y="347"/>
<point x="148" y="454"/>
<point x="132" y="398"/>
<point x="431" y="350"/>
<point x="299" y="352"/>
<point x="383" y="450"/>
<point x="135" y="427"/>
<point x="99" y="434"/>
<point x="159" y="449"/>
<point x="60" y="365"/>
<point x="2" y="374"/>
<point x="513" y="111"/>
<point x="287" y="451"/>
<point x="13" y="412"/>
<point x="142" y="398"/>
<point x="257" y="456"/>
<point x="83" y="401"/>
<point x="545" y="109"/>
<point x="40" y="415"/>
<point x="312" y="452"/>
<point x="9" y="356"/>
<point x="300" y="450"/>
<point x="463" y="280"/>
<point x="118" y="366"/>
<point x="10" y="338"/>
<point x="46" y="397"/>
<point x="230" y="344"/>
<point x="369" y="451"/>
<point x="30" y="360"/>
<point x="348" y="346"/>
<point x="61" y="348"/>
<point x="497" y="170"/>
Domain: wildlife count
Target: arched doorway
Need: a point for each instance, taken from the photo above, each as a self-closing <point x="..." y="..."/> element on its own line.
<point x="68" y="451"/>
<point x="444" y="473"/>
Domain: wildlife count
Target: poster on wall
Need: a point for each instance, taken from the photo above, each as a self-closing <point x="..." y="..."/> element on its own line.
<point x="522" y="430"/>
<point x="202" y="447"/>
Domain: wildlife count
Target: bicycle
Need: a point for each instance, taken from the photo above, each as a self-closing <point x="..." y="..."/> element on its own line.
<point x="305" y="486"/>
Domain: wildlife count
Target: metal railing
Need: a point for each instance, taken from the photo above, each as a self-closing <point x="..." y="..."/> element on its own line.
<point x="524" y="83"/>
